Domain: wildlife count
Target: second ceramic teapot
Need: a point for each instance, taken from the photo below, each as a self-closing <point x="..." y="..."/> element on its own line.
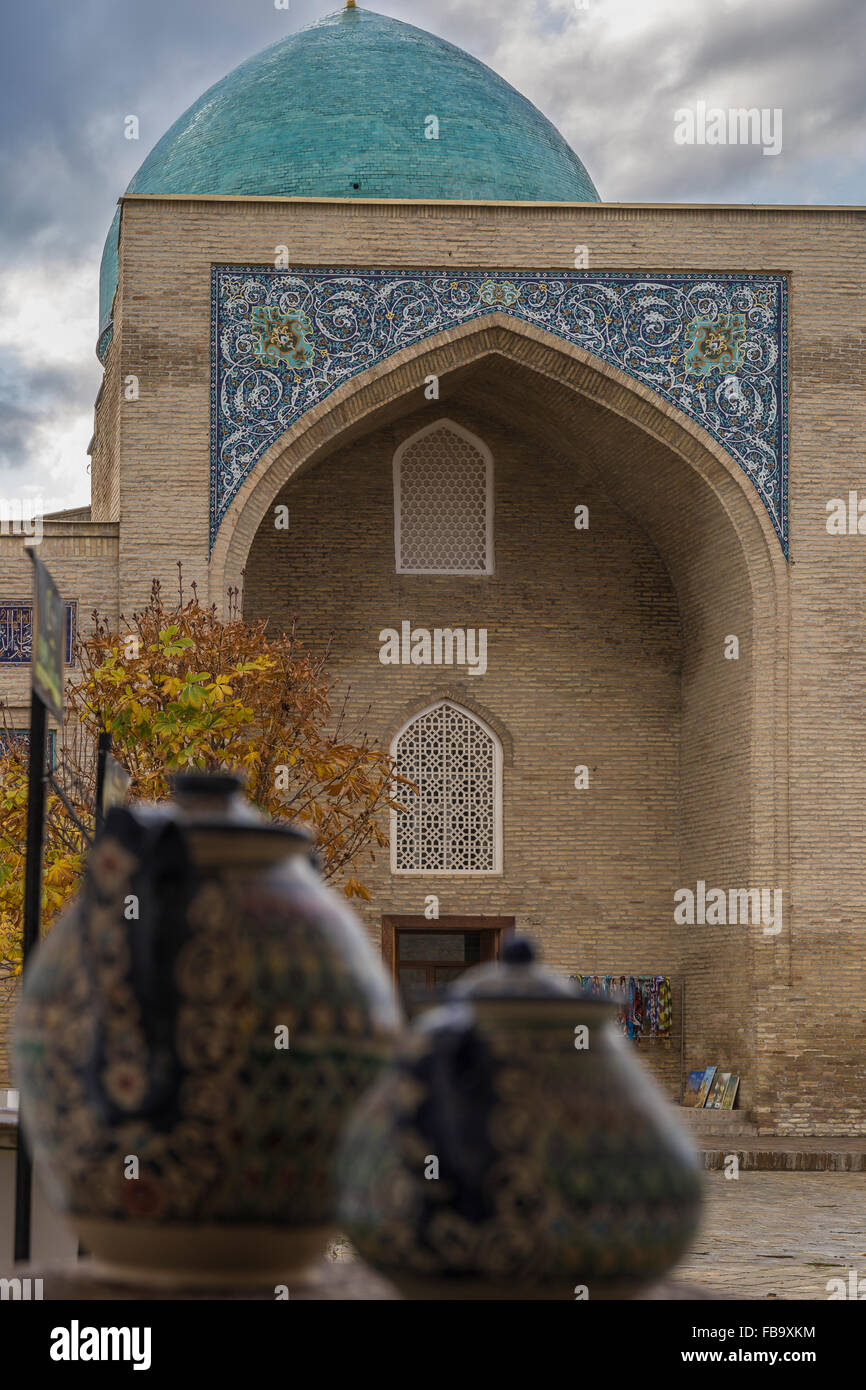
<point x="516" y="1149"/>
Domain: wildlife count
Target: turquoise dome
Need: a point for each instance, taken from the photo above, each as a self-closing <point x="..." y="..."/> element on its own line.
<point x="338" y="110"/>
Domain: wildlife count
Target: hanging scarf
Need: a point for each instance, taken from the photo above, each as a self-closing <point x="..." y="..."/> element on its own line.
<point x="645" y="1003"/>
<point x="665" y="1008"/>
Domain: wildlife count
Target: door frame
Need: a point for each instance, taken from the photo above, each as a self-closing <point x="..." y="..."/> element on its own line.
<point x="491" y="929"/>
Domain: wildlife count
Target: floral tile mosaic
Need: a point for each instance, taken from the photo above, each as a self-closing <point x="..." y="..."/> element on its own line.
<point x="714" y="345"/>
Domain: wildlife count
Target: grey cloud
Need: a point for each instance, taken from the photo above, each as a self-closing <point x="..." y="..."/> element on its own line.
<point x="70" y="73"/>
<point x="803" y="58"/>
<point x="31" y="396"/>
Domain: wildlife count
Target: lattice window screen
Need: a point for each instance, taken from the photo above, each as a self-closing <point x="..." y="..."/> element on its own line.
<point x="450" y="825"/>
<point x="443" y="499"/>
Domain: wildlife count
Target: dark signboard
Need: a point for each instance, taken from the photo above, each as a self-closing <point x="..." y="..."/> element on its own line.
<point x="49" y="639"/>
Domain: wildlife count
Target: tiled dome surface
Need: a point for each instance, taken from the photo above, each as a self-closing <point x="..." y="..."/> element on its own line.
<point x="338" y="110"/>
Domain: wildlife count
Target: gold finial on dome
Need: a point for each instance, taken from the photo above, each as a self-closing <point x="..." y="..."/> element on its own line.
<point x="350" y="5"/>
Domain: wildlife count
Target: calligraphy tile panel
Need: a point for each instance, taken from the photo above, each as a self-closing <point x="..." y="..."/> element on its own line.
<point x="16" y="633"/>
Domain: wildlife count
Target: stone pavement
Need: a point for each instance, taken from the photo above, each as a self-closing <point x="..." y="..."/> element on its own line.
<point x="778" y="1235"/>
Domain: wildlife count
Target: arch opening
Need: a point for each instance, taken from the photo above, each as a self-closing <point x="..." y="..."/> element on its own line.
<point x="606" y="652"/>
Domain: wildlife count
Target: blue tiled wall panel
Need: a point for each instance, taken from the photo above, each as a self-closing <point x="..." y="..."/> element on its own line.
<point x="16" y="632"/>
<point x="714" y="345"/>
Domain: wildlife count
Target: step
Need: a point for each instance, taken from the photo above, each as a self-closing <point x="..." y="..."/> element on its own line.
<point x="767" y="1156"/>
<point x="730" y="1123"/>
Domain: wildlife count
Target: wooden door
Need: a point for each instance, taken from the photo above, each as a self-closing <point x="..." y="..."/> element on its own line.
<point x="425" y="955"/>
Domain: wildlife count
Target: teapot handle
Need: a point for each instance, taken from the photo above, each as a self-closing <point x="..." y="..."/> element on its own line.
<point x="139" y="882"/>
<point x="459" y="1073"/>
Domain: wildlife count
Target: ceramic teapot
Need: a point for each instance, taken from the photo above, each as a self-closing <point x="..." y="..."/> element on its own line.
<point x="191" y="1036"/>
<point x="517" y="1149"/>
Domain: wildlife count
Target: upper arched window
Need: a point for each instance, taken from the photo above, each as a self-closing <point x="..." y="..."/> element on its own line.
<point x="452" y="824"/>
<point x="443" y="502"/>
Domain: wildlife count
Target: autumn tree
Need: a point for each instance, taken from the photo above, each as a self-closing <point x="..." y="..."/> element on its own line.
<point x="178" y="688"/>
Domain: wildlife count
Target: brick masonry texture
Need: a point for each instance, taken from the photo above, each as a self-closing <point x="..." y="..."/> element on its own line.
<point x="568" y="615"/>
<point x="606" y="646"/>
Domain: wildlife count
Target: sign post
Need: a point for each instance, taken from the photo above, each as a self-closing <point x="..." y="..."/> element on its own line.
<point x="47" y="641"/>
<point x="112" y="780"/>
<point x="103" y="752"/>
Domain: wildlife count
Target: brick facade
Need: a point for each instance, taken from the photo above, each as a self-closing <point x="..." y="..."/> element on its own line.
<point x="606" y="646"/>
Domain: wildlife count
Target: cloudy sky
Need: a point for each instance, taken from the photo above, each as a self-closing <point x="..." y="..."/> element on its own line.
<point x="609" y="73"/>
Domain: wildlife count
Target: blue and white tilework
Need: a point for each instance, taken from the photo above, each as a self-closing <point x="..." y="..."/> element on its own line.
<point x="16" y="633"/>
<point x="712" y="344"/>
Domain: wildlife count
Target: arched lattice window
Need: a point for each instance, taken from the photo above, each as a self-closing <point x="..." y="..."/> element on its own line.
<point x="443" y="502"/>
<point x="453" y="823"/>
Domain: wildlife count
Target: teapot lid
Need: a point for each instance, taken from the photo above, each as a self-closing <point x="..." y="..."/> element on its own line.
<point x="214" y="801"/>
<point x="515" y="976"/>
